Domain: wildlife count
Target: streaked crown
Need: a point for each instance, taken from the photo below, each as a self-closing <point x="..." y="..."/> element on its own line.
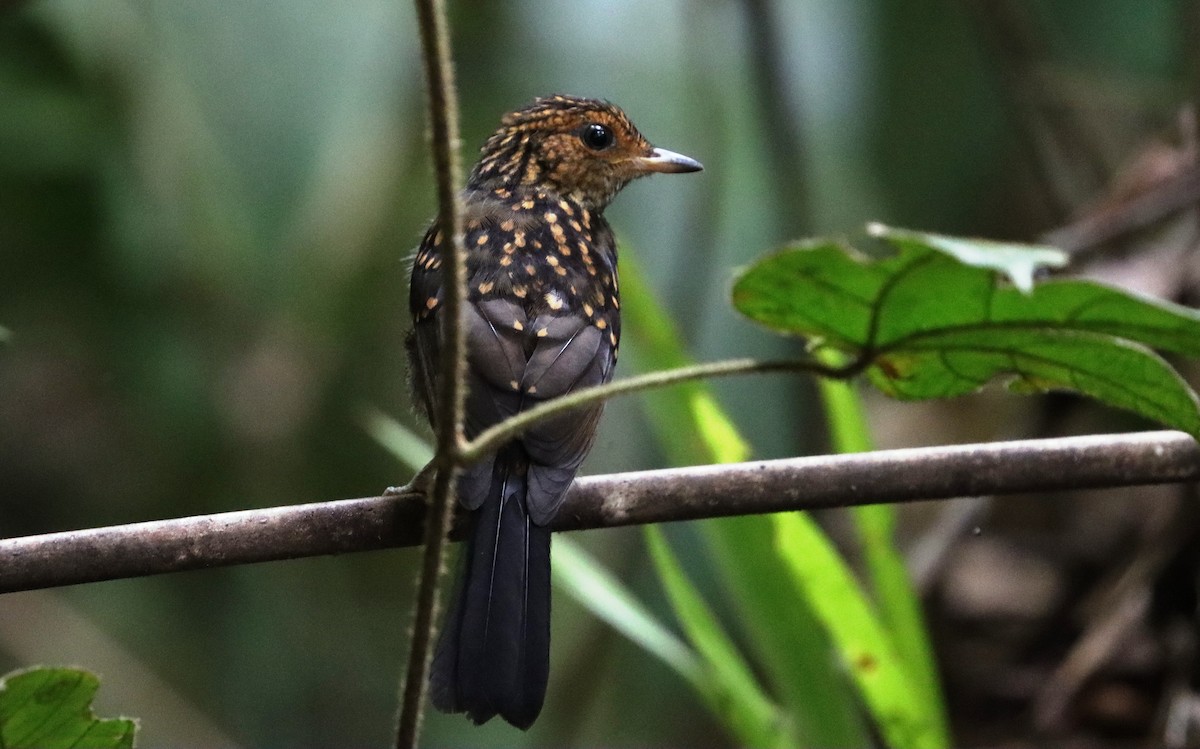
<point x="584" y="149"/>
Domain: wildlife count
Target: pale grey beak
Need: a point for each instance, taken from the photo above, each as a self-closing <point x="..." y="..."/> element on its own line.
<point x="662" y="160"/>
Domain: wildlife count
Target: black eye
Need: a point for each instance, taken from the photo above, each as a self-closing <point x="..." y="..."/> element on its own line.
<point x="596" y="136"/>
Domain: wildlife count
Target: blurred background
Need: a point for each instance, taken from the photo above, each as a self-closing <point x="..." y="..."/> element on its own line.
<point x="205" y="215"/>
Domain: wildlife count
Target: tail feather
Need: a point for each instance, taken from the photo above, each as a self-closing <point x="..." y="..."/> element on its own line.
<point x="493" y="657"/>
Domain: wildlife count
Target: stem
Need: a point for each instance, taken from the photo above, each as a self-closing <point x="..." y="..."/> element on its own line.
<point x="443" y="124"/>
<point x="492" y="438"/>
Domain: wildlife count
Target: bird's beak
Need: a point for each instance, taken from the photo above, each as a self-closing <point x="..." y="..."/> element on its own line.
<point x="669" y="162"/>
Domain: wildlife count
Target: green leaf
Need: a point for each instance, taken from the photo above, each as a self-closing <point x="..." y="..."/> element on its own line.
<point x="5" y="334"/>
<point x="789" y="641"/>
<point x="932" y="326"/>
<point x="48" y="708"/>
<point x="403" y="443"/>
<point x="712" y="436"/>
<point x="731" y="689"/>
<point x="904" y="719"/>
<point x="897" y="602"/>
<point x="1119" y="373"/>
<point x="1017" y="261"/>
<point x="783" y="633"/>
<point x="583" y="578"/>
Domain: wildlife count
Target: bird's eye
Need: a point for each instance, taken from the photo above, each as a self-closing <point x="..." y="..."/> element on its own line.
<point x="596" y="136"/>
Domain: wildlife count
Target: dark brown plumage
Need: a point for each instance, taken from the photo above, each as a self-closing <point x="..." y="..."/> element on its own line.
<point x="542" y="320"/>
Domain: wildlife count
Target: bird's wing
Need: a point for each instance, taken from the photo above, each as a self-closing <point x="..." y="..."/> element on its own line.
<point x="424" y="342"/>
<point x="515" y="363"/>
<point x="572" y="354"/>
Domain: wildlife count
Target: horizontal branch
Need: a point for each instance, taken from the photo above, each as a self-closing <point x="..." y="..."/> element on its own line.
<point x="342" y="526"/>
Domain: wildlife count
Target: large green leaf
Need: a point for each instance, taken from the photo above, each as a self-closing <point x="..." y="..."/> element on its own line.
<point x="51" y="708"/>
<point x="936" y="319"/>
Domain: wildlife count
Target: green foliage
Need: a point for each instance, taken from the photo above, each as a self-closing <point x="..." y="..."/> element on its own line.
<point x="936" y="320"/>
<point x="784" y="634"/>
<point x="592" y="586"/>
<point x="51" y="708"/>
<point x="940" y="317"/>
<point x="712" y="438"/>
<point x="902" y="713"/>
<point x="887" y="577"/>
<point x="787" y="630"/>
<point x="729" y="686"/>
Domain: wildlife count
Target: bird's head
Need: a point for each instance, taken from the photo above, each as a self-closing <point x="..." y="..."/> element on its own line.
<point x="585" y="149"/>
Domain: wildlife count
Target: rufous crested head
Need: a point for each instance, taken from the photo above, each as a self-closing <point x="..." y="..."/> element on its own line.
<point x="584" y="149"/>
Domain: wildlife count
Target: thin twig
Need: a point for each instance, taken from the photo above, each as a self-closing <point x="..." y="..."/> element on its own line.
<point x="350" y="525"/>
<point x="1166" y="198"/>
<point x="1122" y="604"/>
<point x="493" y="437"/>
<point x="443" y="120"/>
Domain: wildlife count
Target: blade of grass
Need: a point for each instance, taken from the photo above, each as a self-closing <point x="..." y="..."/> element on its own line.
<point x="782" y="631"/>
<point x="736" y="696"/>
<point x="584" y="579"/>
<point x="897" y="601"/>
<point x="406" y="445"/>
<point x="712" y="436"/>
<point x="814" y="566"/>
<point x="785" y="635"/>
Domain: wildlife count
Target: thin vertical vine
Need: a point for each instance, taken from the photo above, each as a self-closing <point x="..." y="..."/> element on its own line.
<point x="444" y="142"/>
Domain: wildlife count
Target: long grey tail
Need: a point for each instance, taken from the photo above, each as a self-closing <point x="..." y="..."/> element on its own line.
<point x="493" y="657"/>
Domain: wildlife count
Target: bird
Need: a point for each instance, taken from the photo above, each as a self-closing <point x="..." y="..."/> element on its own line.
<point x="542" y="319"/>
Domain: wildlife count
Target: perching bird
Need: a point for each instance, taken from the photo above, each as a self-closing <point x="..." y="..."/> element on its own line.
<point x="542" y="319"/>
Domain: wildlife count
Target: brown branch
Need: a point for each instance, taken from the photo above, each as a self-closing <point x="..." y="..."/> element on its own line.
<point x="443" y="125"/>
<point x="350" y="525"/>
<point x="1121" y="605"/>
<point x="1168" y="197"/>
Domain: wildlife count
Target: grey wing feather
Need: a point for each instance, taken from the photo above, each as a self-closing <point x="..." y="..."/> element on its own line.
<point x="574" y="354"/>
